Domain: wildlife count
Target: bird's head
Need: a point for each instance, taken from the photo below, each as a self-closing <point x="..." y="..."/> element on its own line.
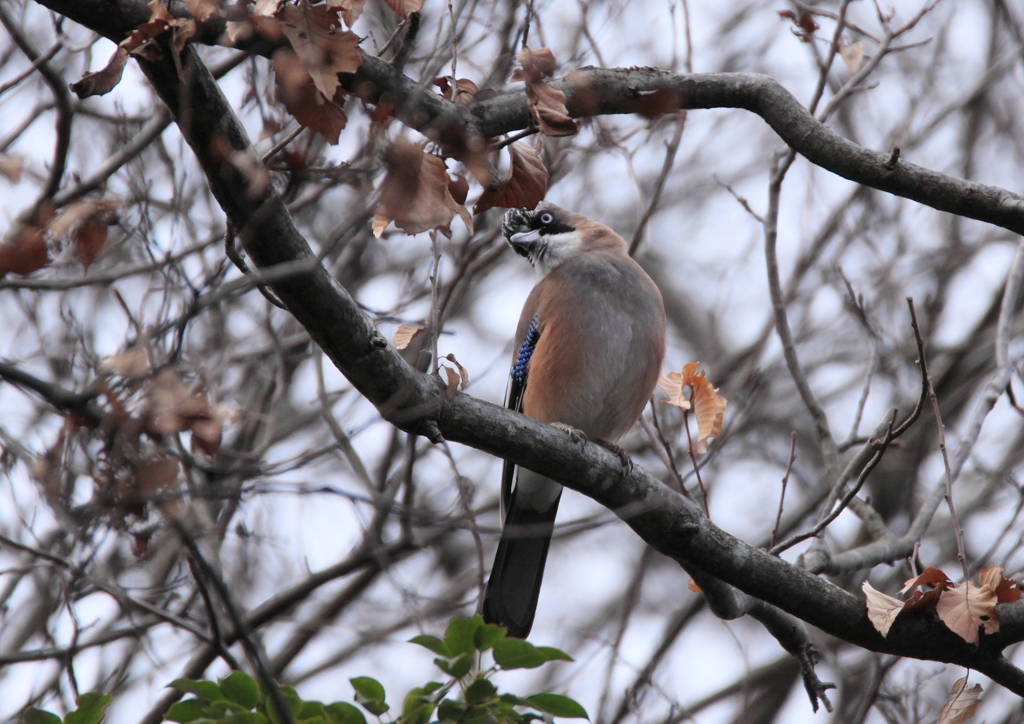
<point x="546" y="236"/>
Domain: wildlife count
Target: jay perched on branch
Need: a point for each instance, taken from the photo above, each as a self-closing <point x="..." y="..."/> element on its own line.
<point x="589" y="348"/>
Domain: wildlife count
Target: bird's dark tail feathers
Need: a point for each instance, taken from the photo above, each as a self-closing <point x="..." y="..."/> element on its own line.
<point x="514" y="585"/>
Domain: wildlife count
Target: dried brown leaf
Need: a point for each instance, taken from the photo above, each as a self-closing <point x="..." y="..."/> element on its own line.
<point x="463" y="373"/>
<point x="929" y="575"/>
<point x="134" y="363"/>
<point x="965" y="607"/>
<point x="547" y="105"/>
<point x="28" y="252"/>
<point x="852" y="55"/>
<point x="526" y="185"/>
<point x="103" y="81"/>
<point x="182" y="30"/>
<point x="461" y="91"/>
<point x="11" y="166"/>
<point x="453" y="382"/>
<point x="323" y="47"/>
<point x="405" y="8"/>
<point x="963" y="704"/>
<point x="84" y="225"/>
<point x="537" y="64"/>
<point x="266" y="8"/>
<point x="202" y="9"/>
<point x="882" y="609"/>
<point x="350" y="9"/>
<point x="170" y="407"/>
<point x="405" y="334"/>
<point x="415" y="193"/>
<point x="708" y="406"/>
<point x="295" y="90"/>
<point x="152" y="477"/>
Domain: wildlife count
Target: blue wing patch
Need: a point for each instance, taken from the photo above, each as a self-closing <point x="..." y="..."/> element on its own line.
<point x="522" y="362"/>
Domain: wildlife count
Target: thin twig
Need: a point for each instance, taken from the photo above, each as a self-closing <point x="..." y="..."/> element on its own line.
<point x="782" y="495"/>
<point x="693" y="459"/>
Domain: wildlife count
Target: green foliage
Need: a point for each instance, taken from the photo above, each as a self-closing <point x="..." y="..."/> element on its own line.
<point x="89" y="710"/>
<point x="468" y="697"/>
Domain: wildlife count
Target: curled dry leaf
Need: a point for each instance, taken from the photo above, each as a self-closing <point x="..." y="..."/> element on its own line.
<point x="963" y="704"/>
<point x="405" y="8"/>
<point x="461" y="91"/>
<point x="138" y="42"/>
<point x="405" y="334"/>
<point x="170" y="407"/>
<point x="966" y="607"/>
<point x="548" y="108"/>
<point x="134" y="363"/>
<point x="202" y="9"/>
<point x="350" y="9"/>
<point x="323" y="47"/>
<point x="526" y="185"/>
<point x="708" y="406"/>
<point x="26" y="249"/>
<point x="537" y="64"/>
<point x="929" y="575"/>
<point x="691" y="585"/>
<point x="298" y="94"/>
<point x="546" y="104"/>
<point x="453" y="382"/>
<point x="415" y="193"/>
<point x="852" y="55"/>
<point x="1007" y="590"/>
<point x="463" y="373"/>
<point x="84" y="225"/>
<point x="882" y="609"/>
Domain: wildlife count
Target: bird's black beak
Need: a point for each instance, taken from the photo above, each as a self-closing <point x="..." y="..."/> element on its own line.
<point x="524" y="242"/>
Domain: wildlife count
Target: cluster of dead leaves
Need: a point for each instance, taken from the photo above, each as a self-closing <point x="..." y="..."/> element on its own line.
<point x="134" y="466"/>
<point x="35" y="242"/>
<point x="457" y="376"/>
<point x="546" y="104"/>
<point x="417" y="193"/>
<point x="690" y="390"/>
<point x="140" y="42"/>
<point x="963" y="607"/>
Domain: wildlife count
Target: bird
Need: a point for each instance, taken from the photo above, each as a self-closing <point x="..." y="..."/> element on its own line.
<point x="588" y="352"/>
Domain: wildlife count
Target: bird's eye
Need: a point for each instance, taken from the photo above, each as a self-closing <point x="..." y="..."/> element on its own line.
<point x="546" y="218"/>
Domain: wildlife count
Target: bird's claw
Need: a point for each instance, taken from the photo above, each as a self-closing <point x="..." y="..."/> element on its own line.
<point x="627" y="462"/>
<point x="578" y="436"/>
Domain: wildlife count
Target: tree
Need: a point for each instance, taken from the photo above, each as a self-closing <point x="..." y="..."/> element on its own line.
<point x="182" y="457"/>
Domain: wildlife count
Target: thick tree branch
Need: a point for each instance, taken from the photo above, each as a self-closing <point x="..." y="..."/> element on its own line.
<point x="595" y="91"/>
<point x="416" y="402"/>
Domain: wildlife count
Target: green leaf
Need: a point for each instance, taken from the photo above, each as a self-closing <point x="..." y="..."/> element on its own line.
<point x="553" y="654"/>
<point x="488" y="635"/>
<point x="341" y="712"/>
<point x="241" y="688"/>
<point x="249" y="717"/>
<point x="517" y="654"/>
<point x="557" y="705"/>
<point x="480" y="691"/>
<point x="292" y="702"/>
<point x="90" y="709"/>
<point x="38" y="716"/>
<point x="476" y="715"/>
<point x="431" y="686"/>
<point x="456" y="668"/>
<point x="433" y="643"/>
<point x="370" y="694"/>
<point x="185" y="711"/>
<point x="458" y="637"/>
<point x="311" y="709"/>
<point x="203" y="689"/>
<point x="450" y="710"/>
